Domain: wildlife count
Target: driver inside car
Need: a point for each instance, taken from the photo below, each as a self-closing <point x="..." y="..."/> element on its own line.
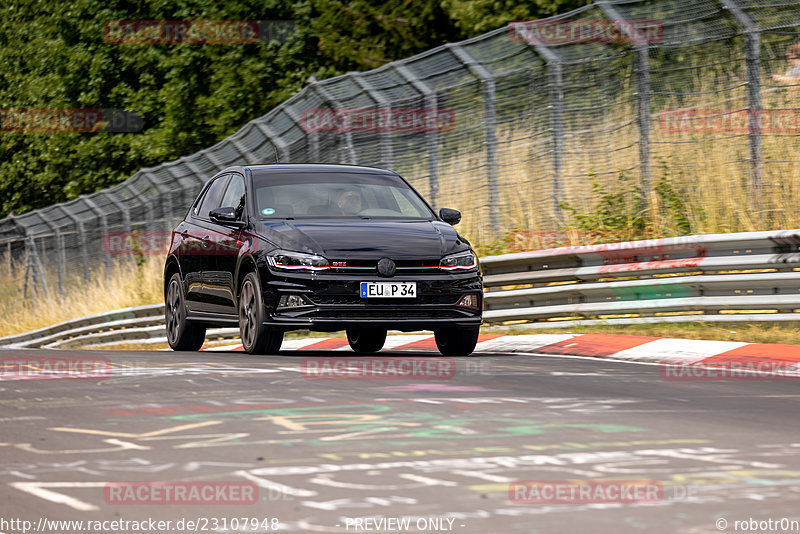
<point x="349" y="202"/>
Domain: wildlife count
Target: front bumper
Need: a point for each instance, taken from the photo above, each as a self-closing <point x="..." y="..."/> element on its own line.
<point x="333" y="301"/>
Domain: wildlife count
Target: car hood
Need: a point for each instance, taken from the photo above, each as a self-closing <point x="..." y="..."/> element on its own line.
<point x="365" y="239"/>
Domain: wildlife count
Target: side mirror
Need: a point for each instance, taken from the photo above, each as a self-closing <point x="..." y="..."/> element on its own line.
<point x="225" y="216"/>
<point x="452" y="217"/>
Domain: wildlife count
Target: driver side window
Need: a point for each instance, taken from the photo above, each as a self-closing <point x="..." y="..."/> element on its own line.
<point x="235" y="195"/>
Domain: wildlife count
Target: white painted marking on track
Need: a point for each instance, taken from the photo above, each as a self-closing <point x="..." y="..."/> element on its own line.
<point x="396" y="341"/>
<point x="428" y="481"/>
<point x="295" y="344"/>
<point x="673" y="350"/>
<point x="484" y="476"/>
<point x="522" y="343"/>
<point x="38" y="489"/>
<point x="222" y="347"/>
<point x="271" y="485"/>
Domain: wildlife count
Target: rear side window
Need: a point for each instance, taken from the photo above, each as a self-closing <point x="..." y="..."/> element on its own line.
<point x="211" y="200"/>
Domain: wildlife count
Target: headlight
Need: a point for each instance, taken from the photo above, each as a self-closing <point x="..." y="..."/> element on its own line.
<point x="296" y="261"/>
<point x="461" y="261"/>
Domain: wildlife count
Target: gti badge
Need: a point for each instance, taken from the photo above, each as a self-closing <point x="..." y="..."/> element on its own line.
<point x="338" y="264"/>
<point x="386" y="268"/>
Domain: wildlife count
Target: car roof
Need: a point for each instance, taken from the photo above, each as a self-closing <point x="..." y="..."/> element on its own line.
<point x="307" y="167"/>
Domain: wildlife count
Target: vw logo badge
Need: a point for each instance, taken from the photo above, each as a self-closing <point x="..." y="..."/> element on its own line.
<point x="386" y="267"/>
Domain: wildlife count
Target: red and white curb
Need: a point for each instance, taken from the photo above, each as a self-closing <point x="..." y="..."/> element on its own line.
<point x="616" y="347"/>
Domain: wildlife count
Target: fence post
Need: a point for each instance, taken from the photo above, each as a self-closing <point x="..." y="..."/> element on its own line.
<point x="556" y="90"/>
<point x="59" y="252"/>
<point x="103" y="228"/>
<point x="642" y="67"/>
<point x="33" y="269"/>
<point x="327" y="97"/>
<point x="313" y="137"/>
<point x="385" y="106"/>
<point x="753" y="60"/>
<point x="432" y="135"/>
<point x="81" y="235"/>
<point x="641" y="61"/>
<point x="285" y="155"/>
<point x="148" y="207"/>
<point x="249" y="157"/>
<point x="490" y="129"/>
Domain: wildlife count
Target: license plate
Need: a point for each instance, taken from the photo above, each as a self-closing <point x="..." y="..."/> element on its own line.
<point x="391" y="290"/>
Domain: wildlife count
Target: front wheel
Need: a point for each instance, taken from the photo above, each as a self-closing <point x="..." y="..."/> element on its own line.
<point x="366" y="341"/>
<point x="182" y="334"/>
<point x="256" y="338"/>
<point x="457" y="341"/>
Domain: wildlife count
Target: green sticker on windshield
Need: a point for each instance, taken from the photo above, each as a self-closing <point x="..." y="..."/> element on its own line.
<point x="267" y="211"/>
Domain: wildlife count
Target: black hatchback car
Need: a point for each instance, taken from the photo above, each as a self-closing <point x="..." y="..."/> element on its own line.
<point x="285" y="247"/>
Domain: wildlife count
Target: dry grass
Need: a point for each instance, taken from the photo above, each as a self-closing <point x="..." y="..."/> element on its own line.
<point x="126" y="285"/>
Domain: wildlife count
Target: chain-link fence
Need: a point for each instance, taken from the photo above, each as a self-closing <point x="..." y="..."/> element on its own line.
<point x="678" y="113"/>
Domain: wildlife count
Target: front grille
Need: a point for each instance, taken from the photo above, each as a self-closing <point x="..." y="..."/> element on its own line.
<point x="372" y="314"/>
<point x="328" y="300"/>
<point x="371" y="266"/>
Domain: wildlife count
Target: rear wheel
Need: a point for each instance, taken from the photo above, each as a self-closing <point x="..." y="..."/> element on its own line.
<point x="457" y="341"/>
<point x="182" y="334"/>
<point x="256" y="338"/>
<point x="366" y="340"/>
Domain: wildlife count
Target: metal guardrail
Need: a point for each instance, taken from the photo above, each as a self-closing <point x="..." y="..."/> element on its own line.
<point x="718" y="277"/>
<point x="752" y="276"/>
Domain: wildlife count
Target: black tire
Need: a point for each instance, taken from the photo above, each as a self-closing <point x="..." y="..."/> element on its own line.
<point x="182" y="334"/>
<point x="457" y="341"/>
<point x="256" y="338"/>
<point x="366" y="340"/>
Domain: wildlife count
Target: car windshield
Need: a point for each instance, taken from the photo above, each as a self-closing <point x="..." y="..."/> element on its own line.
<point x="342" y="195"/>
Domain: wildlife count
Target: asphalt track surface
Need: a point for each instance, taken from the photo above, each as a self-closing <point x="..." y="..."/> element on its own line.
<point x="438" y="450"/>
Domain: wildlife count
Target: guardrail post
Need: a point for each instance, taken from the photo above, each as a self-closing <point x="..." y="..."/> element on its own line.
<point x="490" y="129"/>
<point x="752" y="45"/>
<point x="432" y="135"/>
